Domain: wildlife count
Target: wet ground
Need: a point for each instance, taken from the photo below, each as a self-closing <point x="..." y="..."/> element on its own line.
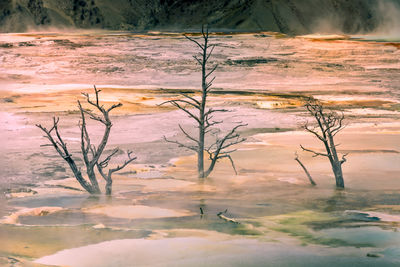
<point x="160" y="214"/>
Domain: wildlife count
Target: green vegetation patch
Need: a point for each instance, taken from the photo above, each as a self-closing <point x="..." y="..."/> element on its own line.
<point x="250" y="62"/>
<point x="298" y="225"/>
<point x="253" y="131"/>
<point x="210" y="223"/>
<point x="6" y="45"/>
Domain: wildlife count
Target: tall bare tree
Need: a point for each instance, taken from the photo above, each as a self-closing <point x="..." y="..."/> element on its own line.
<point x="196" y="109"/>
<point x="328" y="124"/>
<point x="90" y="153"/>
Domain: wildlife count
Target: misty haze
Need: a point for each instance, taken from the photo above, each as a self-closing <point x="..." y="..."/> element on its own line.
<point x="199" y="133"/>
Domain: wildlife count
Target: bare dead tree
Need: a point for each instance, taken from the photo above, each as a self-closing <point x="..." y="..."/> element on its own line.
<point x="196" y="109"/>
<point x="304" y="169"/>
<point x="328" y="124"/>
<point x="90" y="153"/>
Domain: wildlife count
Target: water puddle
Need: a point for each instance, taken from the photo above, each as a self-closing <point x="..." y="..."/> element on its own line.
<point x="206" y="252"/>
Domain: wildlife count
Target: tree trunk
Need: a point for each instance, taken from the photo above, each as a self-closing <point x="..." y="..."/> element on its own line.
<point x="78" y="175"/>
<point x="209" y="170"/>
<point x="93" y="181"/>
<point x="200" y="164"/>
<point x="337" y="170"/>
<point x="200" y="152"/>
<point x="109" y="187"/>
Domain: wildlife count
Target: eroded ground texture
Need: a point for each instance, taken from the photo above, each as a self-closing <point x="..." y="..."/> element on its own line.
<point x="154" y="215"/>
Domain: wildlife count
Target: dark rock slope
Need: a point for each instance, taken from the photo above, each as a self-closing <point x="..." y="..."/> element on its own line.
<point x="287" y="16"/>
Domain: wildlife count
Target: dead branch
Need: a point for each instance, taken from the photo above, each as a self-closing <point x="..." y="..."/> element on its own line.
<point x="194" y="148"/>
<point x="305" y="169"/>
<point x="217" y="151"/>
<point x="316" y="154"/>
<point x="188" y="135"/>
<point x="343" y="158"/>
<point x="223" y="217"/>
<point x="175" y="103"/>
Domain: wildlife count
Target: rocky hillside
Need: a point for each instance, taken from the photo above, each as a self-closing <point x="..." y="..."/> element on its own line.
<point x="287" y="16"/>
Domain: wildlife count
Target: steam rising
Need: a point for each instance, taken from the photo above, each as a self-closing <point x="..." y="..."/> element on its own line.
<point x="377" y="17"/>
<point x="382" y="19"/>
<point x="389" y="12"/>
